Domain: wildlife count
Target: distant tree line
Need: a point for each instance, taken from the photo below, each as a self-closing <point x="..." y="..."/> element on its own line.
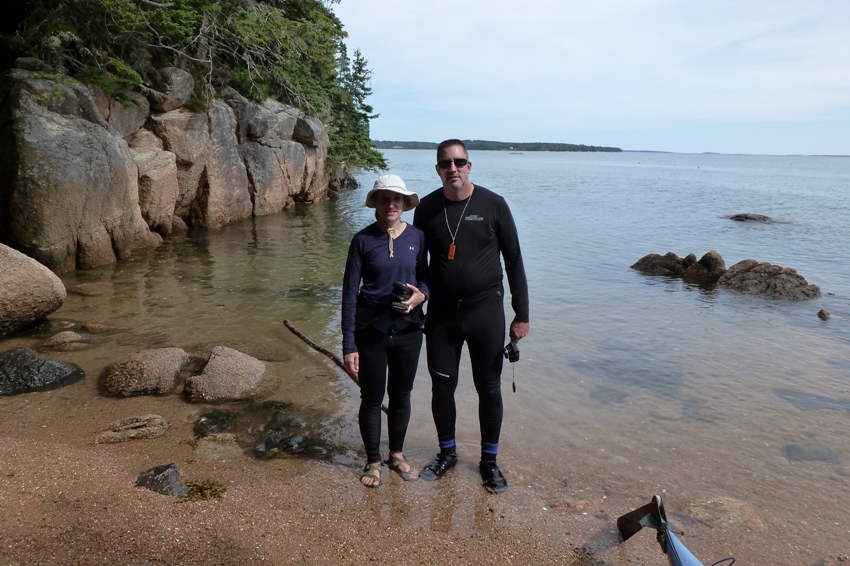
<point x="496" y="146"/>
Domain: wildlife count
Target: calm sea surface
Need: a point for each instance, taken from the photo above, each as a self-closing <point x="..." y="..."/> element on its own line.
<point x="627" y="383"/>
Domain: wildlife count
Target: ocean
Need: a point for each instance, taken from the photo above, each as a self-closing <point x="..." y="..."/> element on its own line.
<point x="628" y="384"/>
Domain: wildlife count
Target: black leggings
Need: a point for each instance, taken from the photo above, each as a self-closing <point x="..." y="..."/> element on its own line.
<point x="482" y="326"/>
<point x="387" y="362"/>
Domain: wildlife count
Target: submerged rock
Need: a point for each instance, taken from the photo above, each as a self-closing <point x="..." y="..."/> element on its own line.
<point x="811" y="453"/>
<point x="726" y="510"/>
<point x="65" y="340"/>
<point x="277" y="445"/>
<point x="747" y="217"/>
<point x="218" y="446"/>
<point x="214" y="422"/>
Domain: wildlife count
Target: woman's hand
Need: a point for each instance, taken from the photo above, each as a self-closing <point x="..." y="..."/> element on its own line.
<point x="417" y="297"/>
<point x="352" y="362"/>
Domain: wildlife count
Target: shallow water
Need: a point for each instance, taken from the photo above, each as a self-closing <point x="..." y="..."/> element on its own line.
<point x="628" y="384"/>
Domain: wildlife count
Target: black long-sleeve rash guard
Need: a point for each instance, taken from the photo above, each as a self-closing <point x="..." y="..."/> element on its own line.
<point x="485" y="230"/>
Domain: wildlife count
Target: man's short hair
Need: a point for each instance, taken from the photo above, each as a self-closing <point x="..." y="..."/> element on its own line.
<point x="449" y="143"/>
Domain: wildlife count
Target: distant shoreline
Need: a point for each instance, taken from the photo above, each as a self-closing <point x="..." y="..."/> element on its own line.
<point x="519" y="147"/>
<point x="478" y="145"/>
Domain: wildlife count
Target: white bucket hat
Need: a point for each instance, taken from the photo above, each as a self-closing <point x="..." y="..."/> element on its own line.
<point x="392" y="183"/>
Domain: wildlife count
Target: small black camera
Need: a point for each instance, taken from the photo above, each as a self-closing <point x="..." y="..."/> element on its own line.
<point x="401" y="292"/>
<point x="511" y="352"/>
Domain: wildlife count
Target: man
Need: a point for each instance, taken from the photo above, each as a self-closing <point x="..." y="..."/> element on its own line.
<point x="467" y="227"/>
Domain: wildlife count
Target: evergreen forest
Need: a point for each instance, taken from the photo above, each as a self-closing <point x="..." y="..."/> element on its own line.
<point x="291" y="50"/>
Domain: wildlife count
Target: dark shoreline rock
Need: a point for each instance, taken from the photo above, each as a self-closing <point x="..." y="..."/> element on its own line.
<point x="708" y="269"/>
<point x="23" y="370"/>
<point x="164" y="479"/>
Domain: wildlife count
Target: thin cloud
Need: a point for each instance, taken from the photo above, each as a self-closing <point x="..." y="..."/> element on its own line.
<point x="550" y="70"/>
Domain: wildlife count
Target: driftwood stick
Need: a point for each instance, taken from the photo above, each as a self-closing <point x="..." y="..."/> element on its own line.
<point x="354" y="377"/>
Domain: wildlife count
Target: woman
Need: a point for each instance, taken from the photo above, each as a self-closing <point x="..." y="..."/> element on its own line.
<point x="381" y="321"/>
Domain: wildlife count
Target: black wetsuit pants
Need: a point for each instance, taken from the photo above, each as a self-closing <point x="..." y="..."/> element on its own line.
<point x="481" y="324"/>
<point x="388" y="363"/>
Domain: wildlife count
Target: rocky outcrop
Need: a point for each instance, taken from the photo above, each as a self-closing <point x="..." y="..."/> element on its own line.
<point x="145" y="373"/>
<point x="28" y="291"/>
<point x="86" y="180"/>
<point x="748" y="276"/>
<point x="23" y="370"/>
<point x="229" y="375"/>
<point x="708" y="269"/>
<point x="68" y="184"/>
<point x="754" y="278"/>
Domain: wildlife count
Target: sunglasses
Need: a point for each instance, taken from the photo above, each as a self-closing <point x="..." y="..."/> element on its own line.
<point x="446" y="163"/>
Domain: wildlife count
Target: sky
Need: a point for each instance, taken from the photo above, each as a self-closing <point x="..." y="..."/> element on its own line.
<point x="726" y="76"/>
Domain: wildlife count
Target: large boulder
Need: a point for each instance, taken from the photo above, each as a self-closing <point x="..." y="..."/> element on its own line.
<point x="229" y="375"/>
<point x="144" y="373"/>
<point x="28" y="291"/>
<point x="23" y="370"/>
<point x="754" y="278"/>
<point x="68" y="184"/>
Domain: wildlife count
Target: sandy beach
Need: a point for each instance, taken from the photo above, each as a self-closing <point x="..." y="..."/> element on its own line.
<point x="66" y="500"/>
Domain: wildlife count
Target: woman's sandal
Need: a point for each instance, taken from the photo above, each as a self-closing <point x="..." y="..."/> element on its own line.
<point x="372" y="472"/>
<point x="396" y="462"/>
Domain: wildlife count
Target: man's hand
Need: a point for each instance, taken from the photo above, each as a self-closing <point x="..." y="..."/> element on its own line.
<point x="519" y="330"/>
